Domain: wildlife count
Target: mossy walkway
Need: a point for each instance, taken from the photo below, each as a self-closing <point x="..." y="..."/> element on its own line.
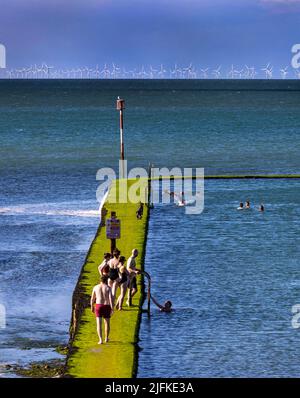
<point x="117" y="359"/>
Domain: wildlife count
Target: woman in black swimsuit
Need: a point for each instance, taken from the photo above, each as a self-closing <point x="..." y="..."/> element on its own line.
<point x="113" y="274"/>
<point x="123" y="282"/>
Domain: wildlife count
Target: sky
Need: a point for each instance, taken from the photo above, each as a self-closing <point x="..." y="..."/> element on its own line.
<point x="131" y="33"/>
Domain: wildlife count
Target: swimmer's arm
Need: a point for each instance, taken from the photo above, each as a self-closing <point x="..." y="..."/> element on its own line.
<point x="93" y="299"/>
<point x="156" y="303"/>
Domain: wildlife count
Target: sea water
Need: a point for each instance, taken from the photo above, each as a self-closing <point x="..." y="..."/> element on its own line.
<point x="232" y="276"/>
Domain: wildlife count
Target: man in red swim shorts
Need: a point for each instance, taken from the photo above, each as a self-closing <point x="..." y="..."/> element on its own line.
<point x="102" y="296"/>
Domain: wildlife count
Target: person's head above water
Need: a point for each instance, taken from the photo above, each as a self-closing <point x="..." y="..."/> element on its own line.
<point x="261" y="207"/>
<point x="241" y="204"/>
<point x="168" y="304"/>
<point x="135" y="252"/>
<point x="247" y="203"/>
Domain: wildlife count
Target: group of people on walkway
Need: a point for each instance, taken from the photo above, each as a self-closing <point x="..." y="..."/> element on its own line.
<point x="115" y="273"/>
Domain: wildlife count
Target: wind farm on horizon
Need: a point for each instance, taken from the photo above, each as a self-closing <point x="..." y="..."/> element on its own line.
<point x="114" y="71"/>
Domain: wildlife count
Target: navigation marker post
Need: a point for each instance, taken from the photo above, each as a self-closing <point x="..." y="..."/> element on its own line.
<point x="121" y="107"/>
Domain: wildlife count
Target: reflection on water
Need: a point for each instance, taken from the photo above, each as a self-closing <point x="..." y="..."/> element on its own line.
<point x="232" y="277"/>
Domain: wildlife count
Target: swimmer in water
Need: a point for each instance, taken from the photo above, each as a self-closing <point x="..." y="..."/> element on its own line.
<point x="241" y="206"/>
<point x="261" y="208"/>
<point x="182" y="201"/>
<point x="180" y="198"/>
<point x="247" y="206"/>
<point x="167" y="307"/>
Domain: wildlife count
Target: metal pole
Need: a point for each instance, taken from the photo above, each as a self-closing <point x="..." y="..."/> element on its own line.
<point x="122" y="134"/>
<point x="121" y="107"/>
<point x="112" y="245"/>
<point x="148" y="292"/>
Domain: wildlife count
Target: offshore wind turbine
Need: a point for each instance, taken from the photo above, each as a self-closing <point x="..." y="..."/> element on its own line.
<point x="27" y="72"/>
<point x="176" y="71"/>
<point x="47" y="70"/>
<point x="143" y="74"/>
<point x="204" y="73"/>
<point x="297" y="73"/>
<point x="231" y="73"/>
<point x="250" y="72"/>
<point x="268" y="71"/>
<point x="284" y="72"/>
<point x="105" y="72"/>
<point x="161" y="72"/>
<point x="239" y="73"/>
<point x="189" y="72"/>
<point x="217" y="72"/>
<point x="115" y="71"/>
<point x="185" y="71"/>
<point x="247" y="72"/>
<point x="192" y="73"/>
<point x="97" y="72"/>
<point x="152" y="72"/>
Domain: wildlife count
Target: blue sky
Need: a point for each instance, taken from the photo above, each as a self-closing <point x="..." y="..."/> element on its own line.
<point x="130" y="33"/>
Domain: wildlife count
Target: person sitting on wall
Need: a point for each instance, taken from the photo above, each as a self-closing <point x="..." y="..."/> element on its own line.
<point x="140" y="211"/>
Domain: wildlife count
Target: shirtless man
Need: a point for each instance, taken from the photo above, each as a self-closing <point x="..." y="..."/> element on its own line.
<point x="133" y="271"/>
<point x="102" y="296"/>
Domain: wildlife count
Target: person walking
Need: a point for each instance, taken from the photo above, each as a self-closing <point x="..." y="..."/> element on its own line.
<point x="133" y="272"/>
<point x="123" y="282"/>
<point x="102" y="306"/>
<point x="114" y="272"/>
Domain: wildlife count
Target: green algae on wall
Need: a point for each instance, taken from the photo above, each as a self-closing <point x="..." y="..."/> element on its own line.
<point x="117" y="359"/>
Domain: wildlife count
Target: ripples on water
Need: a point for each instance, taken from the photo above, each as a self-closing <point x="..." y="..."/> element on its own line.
<point x="231" y="277"/>
<point x="42" y="249"/>
<point x="55" y="135"/>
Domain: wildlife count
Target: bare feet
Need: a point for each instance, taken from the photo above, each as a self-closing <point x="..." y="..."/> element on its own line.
<point x="100" y="341"/>
<point x="106" y="340"/>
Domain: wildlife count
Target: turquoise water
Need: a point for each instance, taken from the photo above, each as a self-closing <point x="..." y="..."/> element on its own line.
<point x="233" y="277"/>
<point x="55" y="135"/>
